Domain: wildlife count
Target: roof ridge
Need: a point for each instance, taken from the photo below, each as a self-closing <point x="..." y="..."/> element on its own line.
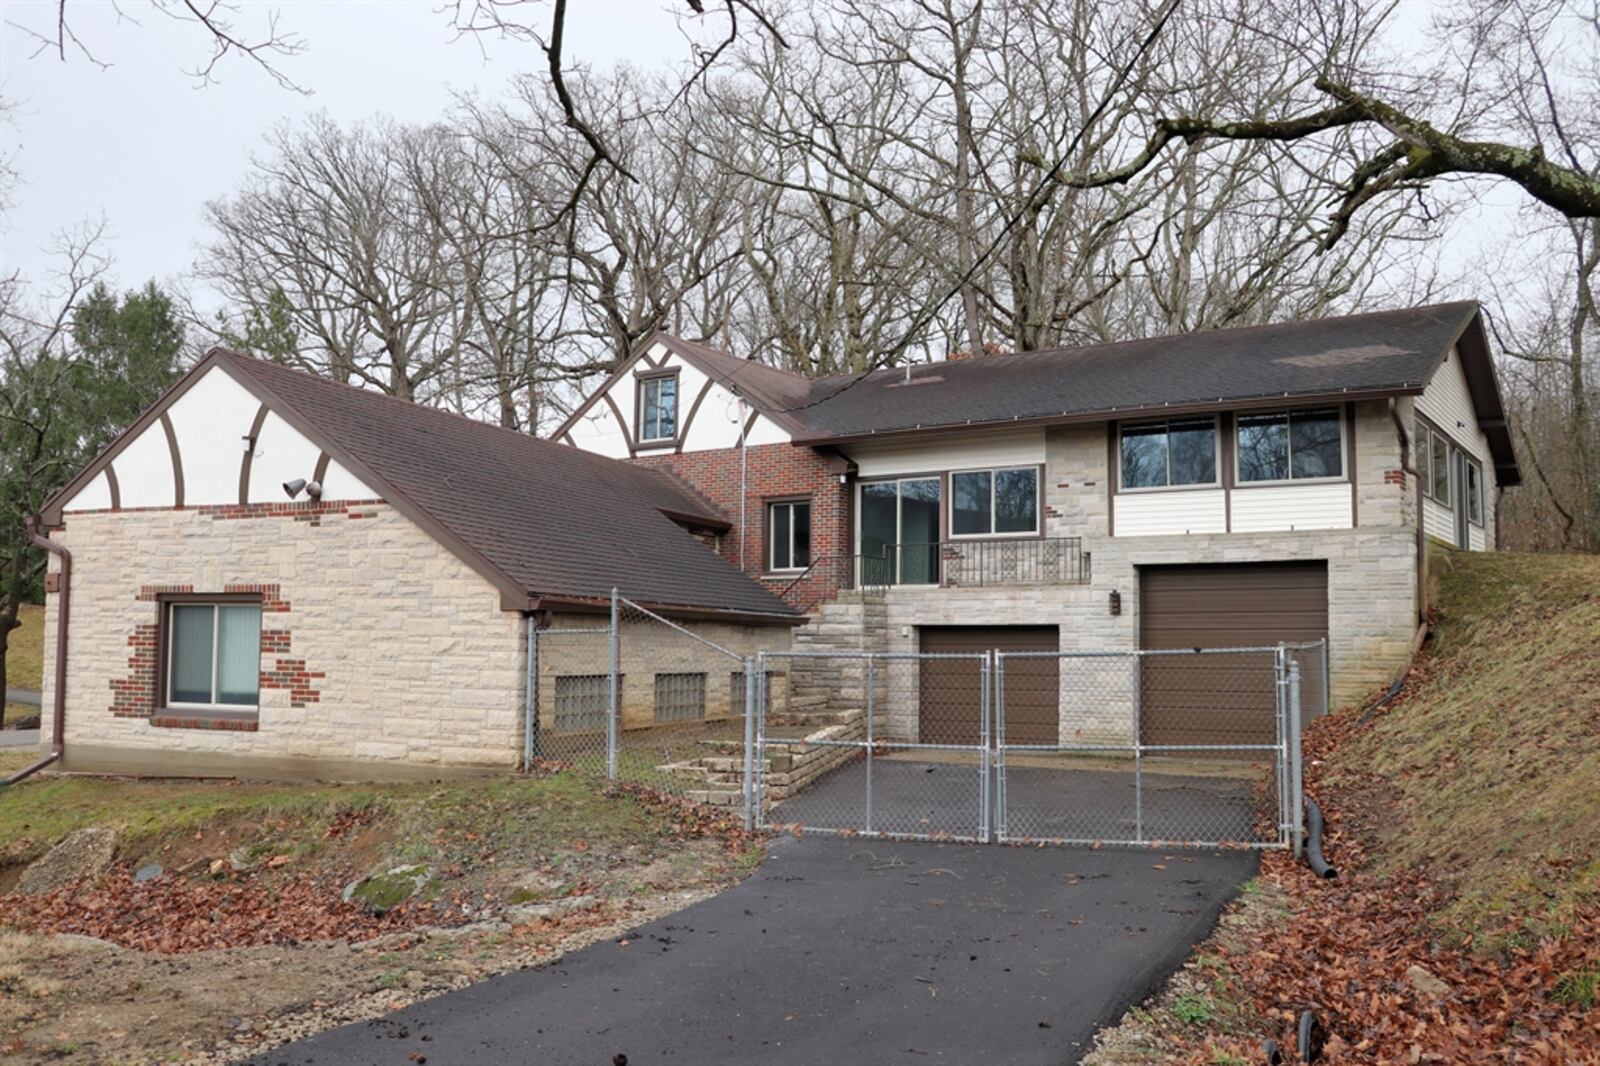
<point x="1103" y="346"/>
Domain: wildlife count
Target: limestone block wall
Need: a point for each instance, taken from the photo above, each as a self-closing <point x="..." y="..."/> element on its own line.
<point x="380" y="648"/>
<point x="576" y="645"/>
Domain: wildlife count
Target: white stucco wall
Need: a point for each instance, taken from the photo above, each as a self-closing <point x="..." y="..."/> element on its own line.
<point x="211" y="423"/>
<point x="715" y="423"/>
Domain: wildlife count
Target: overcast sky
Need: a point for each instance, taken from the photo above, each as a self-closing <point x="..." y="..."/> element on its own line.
<point x="141" y="144"/>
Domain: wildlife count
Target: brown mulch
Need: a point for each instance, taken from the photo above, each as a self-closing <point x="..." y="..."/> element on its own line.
<point x="172" y="915"/>
<point x="1349" y="948"/>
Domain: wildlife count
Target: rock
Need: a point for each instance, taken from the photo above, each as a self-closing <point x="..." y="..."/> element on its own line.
<point x="84" y="852"/>
<point x="382" y="893"/>
<point x="1424" y="981"/>
<point x="148" y="872"/>
<point x="27" y="721"/>
<point x="242" y="857"/>
<point x="524" y="913"/>
<point x="217" y="868"/>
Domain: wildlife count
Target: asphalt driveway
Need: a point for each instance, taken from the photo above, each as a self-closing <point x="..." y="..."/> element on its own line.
<point x="842" y="950"/>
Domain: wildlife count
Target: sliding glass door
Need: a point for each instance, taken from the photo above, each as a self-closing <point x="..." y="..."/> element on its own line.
<point x="900" y="531"/>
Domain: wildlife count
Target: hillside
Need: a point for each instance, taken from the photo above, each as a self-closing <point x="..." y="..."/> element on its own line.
<point x="1465" y="823"/>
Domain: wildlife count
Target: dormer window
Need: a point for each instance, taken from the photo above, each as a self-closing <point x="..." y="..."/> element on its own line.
<point x="658" y="408"/>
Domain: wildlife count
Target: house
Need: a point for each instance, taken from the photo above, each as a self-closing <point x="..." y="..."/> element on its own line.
<point x="273" y="574"/>
<point x="1230" y="488"/>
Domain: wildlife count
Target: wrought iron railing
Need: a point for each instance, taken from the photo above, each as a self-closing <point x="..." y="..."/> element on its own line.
<point x="982" y="561"/>
<point x="829" y="574"/>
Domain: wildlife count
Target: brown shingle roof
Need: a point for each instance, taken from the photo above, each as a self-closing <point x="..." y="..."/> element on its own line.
<point x="562" y="523"/>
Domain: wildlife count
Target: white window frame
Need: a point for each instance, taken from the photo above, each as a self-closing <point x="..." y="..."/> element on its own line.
<point x="645" y="384"/>
<point x="1344" y="449"/>
<point x="213" y="707"/>
<point x="1216" y="456"/>
<point x="1425" y="437"/>
<point x="950" y="505"/>
<point x="772" y="505"/>
<point x="1473" y="468"/>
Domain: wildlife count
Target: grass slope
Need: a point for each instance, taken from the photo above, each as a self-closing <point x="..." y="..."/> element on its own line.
<point x="1494" y="761"/>
<point x="1465" y="821"/>
<point x="25" y="651"/>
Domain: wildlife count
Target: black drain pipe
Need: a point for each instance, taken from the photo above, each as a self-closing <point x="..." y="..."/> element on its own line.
<point x="1314" y="857"/>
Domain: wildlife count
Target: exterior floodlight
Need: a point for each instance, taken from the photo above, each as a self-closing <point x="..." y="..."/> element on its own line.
<point x="293" y="487"/>
<point x="314" y="489"/>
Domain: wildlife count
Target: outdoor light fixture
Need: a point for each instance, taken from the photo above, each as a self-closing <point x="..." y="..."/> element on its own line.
<point x="293" y="487"/>
<point x="314" y="489"/>
<point x="1116" y="603"/>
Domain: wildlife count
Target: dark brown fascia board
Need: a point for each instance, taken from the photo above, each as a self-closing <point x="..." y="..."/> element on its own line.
<point x="612" y="378"/>
<point x="50" y="512"/>
<point x="1477" y="364"/>
<point x="697" y="521"/>
<point x="513" y="597"/>
<point x="579" y="605"/>
<point x="1112" y="414"/>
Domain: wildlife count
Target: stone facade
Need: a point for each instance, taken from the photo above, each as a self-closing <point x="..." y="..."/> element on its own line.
<point x="382" y="652"/>
<point x="1371" y="584"/>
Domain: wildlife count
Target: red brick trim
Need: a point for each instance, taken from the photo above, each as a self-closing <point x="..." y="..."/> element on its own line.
<point x="287" y="509"/>
<point x="233" y="725"/>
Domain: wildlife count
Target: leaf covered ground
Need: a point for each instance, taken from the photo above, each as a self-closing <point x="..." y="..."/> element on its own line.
<point x="245" y="925"/>
<point x="1465" y="824"/>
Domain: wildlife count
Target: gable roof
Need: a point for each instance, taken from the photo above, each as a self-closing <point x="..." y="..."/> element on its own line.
<point x="548" y="524"/>
<point x="772" y="391"/>
<point x="1367" y="356"/>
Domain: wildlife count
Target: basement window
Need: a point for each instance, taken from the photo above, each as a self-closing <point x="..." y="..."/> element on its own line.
<point x="213" y="655"/>
<point x="582" y="702"/>
<point x="680" y="697"/>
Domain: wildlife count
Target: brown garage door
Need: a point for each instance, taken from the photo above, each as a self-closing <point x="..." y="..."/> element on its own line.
<point x="950" y="705"/>
<point x="1222" y="699"/>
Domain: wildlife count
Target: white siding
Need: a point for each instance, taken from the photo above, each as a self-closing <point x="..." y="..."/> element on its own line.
<point x="1025" y="448"/>
<point x="1154" y="514"/>
<point x="95" y="496"/>
<point x="716" y="423"/>
<point x="1447" y="403"/>
<point x="1291" y="507"/>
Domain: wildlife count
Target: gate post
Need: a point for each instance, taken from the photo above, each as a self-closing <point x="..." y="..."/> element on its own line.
<point x="1297" y="797"/>
<point x="751" y="709"/>
<point x="614" y="719"/>
<point x="986" y="741"/>
<point x="872" y="685"/>
<point x="996" y="720"/>
<point x="1138" y="747"/>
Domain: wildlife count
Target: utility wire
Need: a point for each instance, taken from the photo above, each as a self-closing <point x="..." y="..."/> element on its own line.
<point x="1046" y="186"/>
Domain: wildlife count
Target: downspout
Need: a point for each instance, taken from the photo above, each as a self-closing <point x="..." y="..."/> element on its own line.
<point x="59" y="696"/>
<point x="1422" y="539"/>
<point x="744" y="476"/>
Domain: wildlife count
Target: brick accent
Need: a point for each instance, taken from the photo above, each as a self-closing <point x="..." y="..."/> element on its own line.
<point x="235" y="725"/>
<point x="1394" y="477"/>
<point x="310" y="512"/>
<point x="288" y="674"/>
<point x="771" y="471"/>
<point x="134" y="696"/>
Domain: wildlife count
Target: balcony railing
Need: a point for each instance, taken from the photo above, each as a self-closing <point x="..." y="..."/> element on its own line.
<point x="828" y="574"/>
<point x="983" y="562"/>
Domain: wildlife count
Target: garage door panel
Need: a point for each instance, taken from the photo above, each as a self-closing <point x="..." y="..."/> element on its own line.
<point x="1222" y="699"/>
<point x="951" y="708"/>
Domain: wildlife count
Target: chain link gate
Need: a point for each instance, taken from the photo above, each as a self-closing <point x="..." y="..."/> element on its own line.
<point x="876" y="744"/>
<point x="1190" y="747"/>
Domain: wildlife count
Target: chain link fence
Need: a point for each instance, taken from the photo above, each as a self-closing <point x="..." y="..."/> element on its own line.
<point x="1197" y="747"/>
<point x="643" y="699"/>
<point x="878" y="745"/>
